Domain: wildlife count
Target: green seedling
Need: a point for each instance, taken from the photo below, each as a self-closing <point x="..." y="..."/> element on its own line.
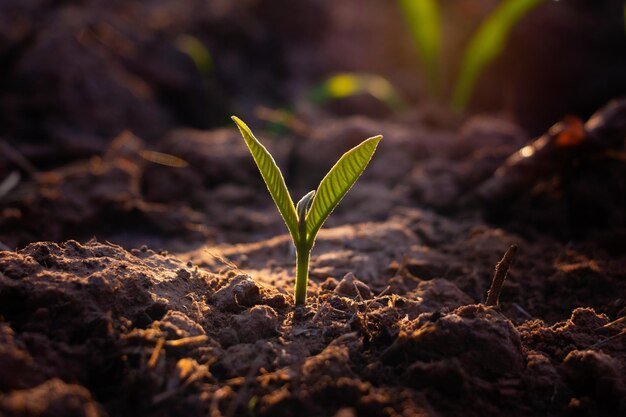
<point x="306" y="218"/>
<point x="423" y="20"/>
<point x="487" y="44"/>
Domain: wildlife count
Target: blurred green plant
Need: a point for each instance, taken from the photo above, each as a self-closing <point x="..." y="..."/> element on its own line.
<point x="422" y="17"/>
<point x="487" y="44"/>
<point x="197" y="52"/>
<point x="306" y="218"/>
<point x="344" y="85"/>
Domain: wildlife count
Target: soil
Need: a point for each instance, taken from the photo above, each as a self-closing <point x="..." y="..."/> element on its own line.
<point x="144" y="270"/>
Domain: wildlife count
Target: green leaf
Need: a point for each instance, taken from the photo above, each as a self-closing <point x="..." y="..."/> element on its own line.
<point x="273" y="178"/>
<point x="302" y="208"/>
<point x="337" y="183"/>
<point x="422" y="17"/>
<point x="487" y="44"/>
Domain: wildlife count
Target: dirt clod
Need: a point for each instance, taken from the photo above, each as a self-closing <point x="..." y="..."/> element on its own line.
<point x="598" y="376"/>
<point x="258" y="322"/>
<point x="351" y="287"/>
<point x="50" y="399"/>
<point x="240" y="291"/>
<point x="484" y="342"/>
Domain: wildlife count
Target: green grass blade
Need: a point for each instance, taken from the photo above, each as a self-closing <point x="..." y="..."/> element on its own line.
<point x="337" y="183"/>
<point x="422" y="17"/>
<point x="487" y="44"/>
<point x="273" y="178"/>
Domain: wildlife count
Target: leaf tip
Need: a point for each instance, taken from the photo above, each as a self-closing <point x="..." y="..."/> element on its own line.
<point x="375" y="139"/>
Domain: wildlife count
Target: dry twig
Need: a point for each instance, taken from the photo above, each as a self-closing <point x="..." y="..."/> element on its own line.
<point x="502" y="268"/>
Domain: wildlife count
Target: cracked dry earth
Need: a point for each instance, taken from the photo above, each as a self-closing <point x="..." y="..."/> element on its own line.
<point x="392" y="327"/>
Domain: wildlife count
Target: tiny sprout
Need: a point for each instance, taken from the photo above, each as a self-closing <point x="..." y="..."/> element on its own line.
<point x="306" y="218"/>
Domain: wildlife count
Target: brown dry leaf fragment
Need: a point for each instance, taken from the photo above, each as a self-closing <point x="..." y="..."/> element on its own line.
<point x="572" y="132"/>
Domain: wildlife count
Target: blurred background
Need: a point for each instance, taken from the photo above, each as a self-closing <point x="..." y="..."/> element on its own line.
<point x="78" y="72"/>
<point x="77" y="75"/>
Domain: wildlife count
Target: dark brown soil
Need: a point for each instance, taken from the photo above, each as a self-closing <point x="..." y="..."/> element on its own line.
<point x="391" y="327"/>
<point x="145" y="272"/>
<point x="94" y="329"/>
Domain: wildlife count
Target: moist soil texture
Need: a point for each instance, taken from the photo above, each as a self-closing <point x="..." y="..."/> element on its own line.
<point x="153" y="290"/>
<point x="144" y="270"/>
